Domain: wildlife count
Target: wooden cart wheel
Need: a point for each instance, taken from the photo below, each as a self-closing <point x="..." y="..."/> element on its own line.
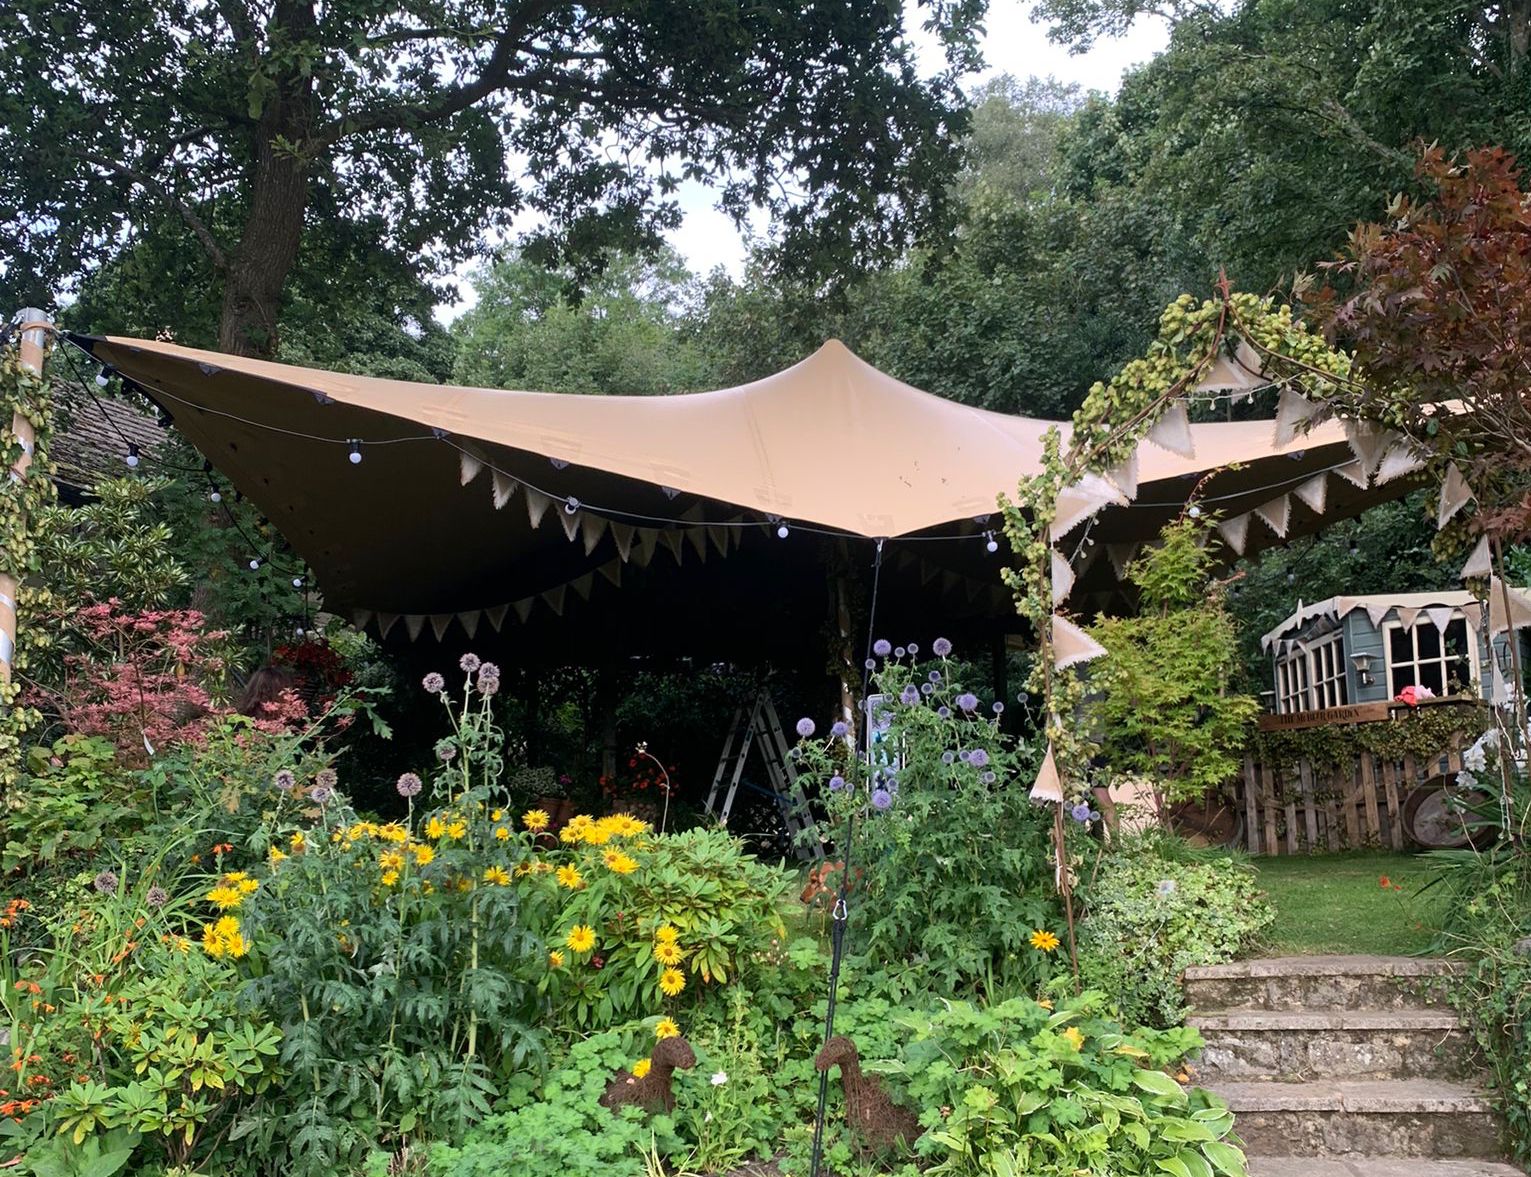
<point x="1441" y="815"/>
<point x="1208" y="821"/>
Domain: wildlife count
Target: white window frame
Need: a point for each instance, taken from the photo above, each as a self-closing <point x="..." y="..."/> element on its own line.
<point x="1473" y="669"/>
<point x="1291" y="699"/>
<point x="1331" y="689"/>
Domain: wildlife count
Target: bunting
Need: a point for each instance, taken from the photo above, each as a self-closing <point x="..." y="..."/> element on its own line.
<point x="1399" y="462"/>
<point x="496" y="616"/>
<point x="1314" y="493"/>
<point x="537" y="505"/>
<point x="1124" y="476"/>
<point x="1071" y="645"/>
<point x="1083" y="500"/>
<point x="1479" y="563"/>
<point x="1277" y="514"/>
<point x="504" y="488"/>
<point x="1235" y="532"/>
<point x="1120" y="556"/>
<point x="1048" y="787"/>
<point x="1369" y="441"/>
<point x="470" y="463"/>
<point x="1355" y="473"/>
<point x="1455" y="494"/>
<point x="1063" y="578"/>
<point x="1172" y="431"/>
<point x="1294" y="415"/>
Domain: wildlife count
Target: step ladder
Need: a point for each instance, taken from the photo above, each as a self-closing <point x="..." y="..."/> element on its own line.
<point x="757" y="725"/>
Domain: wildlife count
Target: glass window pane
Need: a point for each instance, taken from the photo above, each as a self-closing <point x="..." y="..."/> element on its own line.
<point x="1403" y="676"/>
<point x="1429" y="640"/>
<point x="1400" y="646"/>
<point x="1431" y="675"/>
<point x="1456" y="638"/>
<point x="1458" y="676"/>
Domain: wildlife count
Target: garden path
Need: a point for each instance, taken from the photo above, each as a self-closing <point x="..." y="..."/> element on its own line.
<point x="1345" y="1066"/>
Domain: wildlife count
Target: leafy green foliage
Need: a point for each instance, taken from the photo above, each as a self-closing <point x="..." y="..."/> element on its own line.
<point x="1161" y="697"/>
<point x="1021" y="1087"/>
<point x="73" y="800"/>
<point x="1152" y="915"/>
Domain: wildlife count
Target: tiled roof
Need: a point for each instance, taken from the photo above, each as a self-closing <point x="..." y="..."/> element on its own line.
<point x="93" y="435"/>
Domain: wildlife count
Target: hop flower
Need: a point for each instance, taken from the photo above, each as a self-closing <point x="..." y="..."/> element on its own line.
<point x="446" y="751"/>
<point x="106" y="883"/>
<point x="497" y="876"/>
<point x="805" y="727"/>
<point x="569" y="876"/>
<point x="882" y="799"/>
<point x="157" y="897"/>
<point x="1043" y="941"/>
<point x="489" y="679"/>
<point x="666" y="1028"/>
<point x="941" y="648"/>
<point x="285" y="780"/>
<point x="433" y="683"/>
<point x="882" y="647"/>
<point x="536" y="820"/>
<point x="469" y="663"/>
<point x="967" y="701"/>
<point x="409" y="785"/>
<point x="581" y="938"/>
<point x="671" y="982"/>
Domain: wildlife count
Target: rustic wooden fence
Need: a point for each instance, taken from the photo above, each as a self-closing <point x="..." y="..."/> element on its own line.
<point x="1298" y="808"/>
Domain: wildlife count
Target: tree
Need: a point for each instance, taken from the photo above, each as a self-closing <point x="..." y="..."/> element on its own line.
<point x="428" y="124"/>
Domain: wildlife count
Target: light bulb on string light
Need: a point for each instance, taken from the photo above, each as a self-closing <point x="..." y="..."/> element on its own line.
<point x="255" y="564"/>
<point x="355" y="454"/>
<point x="991" y="545"/>
<point x="103" y="377"/>
<point x="1193" y="511"/>
<point x="571" y="506"/>
<point x="215" y="495"/>
<point x="297" y="582"/>
<point x="131" y="457"/>
<point x="782" y="530"/>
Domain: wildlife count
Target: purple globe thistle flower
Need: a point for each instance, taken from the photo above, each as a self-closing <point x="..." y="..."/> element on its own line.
<point x="913" y="649"/>
<point x="284" y="780"/>
<point x="882" y="647"/>
<point x="105" y="882"/>
<point x="839" y="729"/>
<point x="805" y="727"/>
<point x="446" y="751"/>
<point x="836" y="783"/>
<point x="409" y="785"/>
<point x="944" y="712"/>
<point x="157" y="897"/>
<point x="941" y="648"/>
<point x="967" y="701"/>
<point x="998" y="708"/>
<point x="469" y="663"/>
<point x="870" y="663"/>
<point x="927" y="688"/>
<point x="898" y="652"/>
<point x="327" y="777"/>
<point x="987" y="778"/>
<point x="321" y="794"/>
<point x="979" y="758"/>
<point x="909" y="696"/>
<point x="1080" y="812"/>
<point x="934" y="676"/>
<point x="965" y="756"/>
<point x="948" y="757"/>
<point x="882" y="799"/>
<point x="489" y="679"/>
<point x="433" y="683"/>
<point x="1094" y="815"/>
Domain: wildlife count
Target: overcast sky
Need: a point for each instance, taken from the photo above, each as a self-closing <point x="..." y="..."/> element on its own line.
<point x="1013" y="45"/>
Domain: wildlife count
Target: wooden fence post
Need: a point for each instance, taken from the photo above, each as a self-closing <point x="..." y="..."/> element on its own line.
<point x="34" y="325"/>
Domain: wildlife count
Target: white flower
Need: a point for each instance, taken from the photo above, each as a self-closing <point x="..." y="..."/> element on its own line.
<point x="719" y="1078"/>
<point x="1166" y="887"/>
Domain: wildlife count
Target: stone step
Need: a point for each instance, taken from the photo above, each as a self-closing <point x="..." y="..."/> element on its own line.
<point x="1354" y="1044"/>
<point x="1398" y="1118"/>
<point x="1320" y="982"/>
<point x="1377" y="1167"/>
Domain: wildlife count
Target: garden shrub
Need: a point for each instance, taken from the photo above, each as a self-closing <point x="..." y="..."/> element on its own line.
<point x="1021" y="1087"/>
<point x="1153" y="914"/>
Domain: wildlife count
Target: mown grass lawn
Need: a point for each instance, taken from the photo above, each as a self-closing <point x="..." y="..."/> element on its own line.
<point x="1335" y="903"/>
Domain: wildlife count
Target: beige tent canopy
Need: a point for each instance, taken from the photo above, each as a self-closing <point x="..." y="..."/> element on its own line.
<point x="470" y="505"/>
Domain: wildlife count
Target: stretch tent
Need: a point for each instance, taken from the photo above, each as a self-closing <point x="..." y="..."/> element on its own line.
<point x="635" y="523"/>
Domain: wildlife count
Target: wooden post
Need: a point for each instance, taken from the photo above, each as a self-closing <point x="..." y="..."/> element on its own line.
<point x="35" y="326"/>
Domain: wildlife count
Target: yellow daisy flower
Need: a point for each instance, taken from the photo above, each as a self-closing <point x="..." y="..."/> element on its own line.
<point x="667" y="953"/>
<point x="619" y="863"/>
<point x="641" y="1068"/>
<point x="569" y="876"/>
<point x="581" y="938"/>
<point x="225" y="898"/>
<point x="671" y="982"/>
<point x="391" y="860"/>
<point x="666" y="934"/>
<point x="390" y="877"/>
<point x="457" y="830"/>
<point x="424" y="854"/>
<point x="275" y="855"/>
<point x="666" y="1028"/>
<point x="535" y="820"/>
<point x="298" y="841"/>
<point x="1043" y="941"/>
<point x="435" y="828"/>
<point x="497" y="875"/>
<point x="393" y="832"/>
<point x="555" y="959"/>
<point x="502" y="833"/>
<point x="496" y="815"/>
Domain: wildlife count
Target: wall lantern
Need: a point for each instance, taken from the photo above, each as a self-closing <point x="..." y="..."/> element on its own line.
<point x="1363" y="664"/>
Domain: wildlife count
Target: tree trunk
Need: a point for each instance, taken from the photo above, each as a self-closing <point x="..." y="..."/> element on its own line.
<point x="279" y="195"/>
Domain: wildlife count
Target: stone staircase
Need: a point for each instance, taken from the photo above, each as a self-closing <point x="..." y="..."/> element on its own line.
<point x="1345" y="1066"/>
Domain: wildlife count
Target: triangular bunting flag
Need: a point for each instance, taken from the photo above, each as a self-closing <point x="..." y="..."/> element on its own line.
<point x="1048" y="787"/>
<point x="1063" y="578"/>
<point x="470" y="464"/>
<point x="1125" y="476"/>
<point x="1375" y="613"/>
<point x="1473" y="611"/>
<point x="439" y="623"/>
<point x="719" y="537"/>
<point x="1080" y="501"/>
<point x="1314" y="493"/>
<point x="1407" y="617"/>
<point x="582" y="585"/>
<point x="523" y="607"/>
<point x="496" y="616"/>
<point x="1235" y="532"/>
<point x="1277" y="513"/>
<point x="1368" y="441"/>
<point x="1172" y="431"/>
<point x="1120" y="556"/>
<point x="570" y="521"/>
<point x="385" y="622"/>
<point x="612" y="571"/>
<point x="469" y="622"/>
<point x="537" y="505"/>
<point x="555" y="598"/>
<point x="1238" y="373"/>
<point x="1399" y="462"/>
<point x="949" y="580"/>
<point x="504" y="488"/>
<point x="648" y="543"/>
<point x="697" y="537"/>
<point x="1355" y="474"/>
<point x="623" y="534"/>
<point x="1455" y="494"/>
<point x="1294" y="412"/>
<point x="360" y="618"/>
<point x="413" y="624"/>
<point x="1071" y="645"/>
<point x="1478" y="563"/>
<point x="591" y="527"/>
<point x="671" y="539"/>
<point x="1440" y="616"/>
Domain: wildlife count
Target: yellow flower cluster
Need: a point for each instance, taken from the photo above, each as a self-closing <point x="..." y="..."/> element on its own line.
<point x="666" y="1028"/>
<point x="231" y="890"/>
<point x="581" y="938"/>
<point x="619" y="863"/>
<point x="536" y="820"/>
<point x="598" y="831"/>
<point x="667" y="950"/>
<point x="671" y="982"/>
<point x="641" y="1068"/>
<point x="223" y="938"/>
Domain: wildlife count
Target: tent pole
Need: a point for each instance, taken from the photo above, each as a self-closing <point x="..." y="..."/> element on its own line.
<point x="35" y="326"/>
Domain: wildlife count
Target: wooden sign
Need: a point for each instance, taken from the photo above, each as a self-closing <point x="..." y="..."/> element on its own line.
<point x="1327" y="717"/>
